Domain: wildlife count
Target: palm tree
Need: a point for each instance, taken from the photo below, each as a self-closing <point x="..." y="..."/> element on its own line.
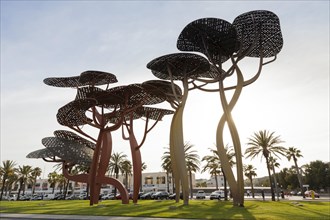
<point x="82" y="169"/>
<point x="143" y="167"/>
<point x="250" y="172"/>
<point x="294" y="153"/>
<point x="61" y="182"/>
<point x="192" y="163"/>
<point x="167" y="166"/>
<point x="53" y="179"/>
<point x="213" y="165"/>
<point x="7" y="169"/>
<point x="127" y="170"/>
<point x="24" y="176"/>
<point x="265" y="143"/>
<point x="35" y="173"/>
<point x="12" y="179"/>
<point x="273" y="164"/>
<point x="115" y="164"/>
<point x="215" y="162"/>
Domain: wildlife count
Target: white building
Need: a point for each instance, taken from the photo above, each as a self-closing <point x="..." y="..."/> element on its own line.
<point x="153" y="181"/>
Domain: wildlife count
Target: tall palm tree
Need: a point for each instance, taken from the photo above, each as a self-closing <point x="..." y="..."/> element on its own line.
<point x="127" y="170"/>
<point x="12" y="179"/>
<point x="83" y="169"/>
<point x="115" y="164"/>
<point x="53" y="179"/>
<point x="167" y="166"/>
<point x="250" y="172"/>
<point x="265" y="143"/>
<point x="213" y="165"/>
<point x="61" y="182"/>
<point x="294" y="153"/>
<point x="24" y="176"/>
<point x="273" y="163"/>
<point x="35" y="173"/>
<point x="7" y="169"/>
<point x="192" y="163"/>
<point x="214" y="159"/>
<point x="143" y="167"/>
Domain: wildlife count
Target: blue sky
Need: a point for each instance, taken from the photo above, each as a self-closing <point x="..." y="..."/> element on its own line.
<point x="42" y="39"/>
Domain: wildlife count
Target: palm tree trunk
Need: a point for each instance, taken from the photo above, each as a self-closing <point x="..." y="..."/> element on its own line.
<point x="216" y="181"/>
<point x="168" y="184"/>
<point x="34" y="185"/>
<point x="2" y="187"/>
<point x="225" y="186"/>
<point x="270" y="180"/>
<point x="191" y="187"/>
<point x="276" y="187"/>
<point x="252" y="189"/>
<point x="299" y="177"/>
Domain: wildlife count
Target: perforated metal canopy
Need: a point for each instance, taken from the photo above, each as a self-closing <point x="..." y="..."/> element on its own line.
<point x="69" y="150"/>
<point x="74" y="137"/>
<point x="214" y="37"/>
<point x="73" y="113"/>
<point x="262" y="27"/>
<point x="181" y="65"/>
<point x="87" y="78"/>
<point x="41" y="153"/>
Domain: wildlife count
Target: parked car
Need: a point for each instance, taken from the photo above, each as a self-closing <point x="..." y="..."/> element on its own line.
<point x="73" y="197"/>
<point x="108" y="196"/>
<point x="49" y="196"/>
<point x="217" y="195"/>
<point x="58" y="197"/>
<point x="172" y="196"/>
<point x="24" y="198"/>
<point x="147" y="195"/>
<point x="36" y="197"/>
<point x="160" y="195"/>
<point x="200" y="194"/>
<point x="308" y="193"/>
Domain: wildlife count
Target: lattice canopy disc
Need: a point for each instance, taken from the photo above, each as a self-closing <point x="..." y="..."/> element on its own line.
<point x="87" y="78"/>
<point x="135" y="95"/>
<point x="69" y="150"/>
<point x="153" y="113"/>
<point x="181" y="65"/>
<point x="215" y="38"/>
<point x="42" y="153"/>
<point x="261" y="27"/>
<point x="74" y="137"/>
<point x="105" y="98"/>
<point x="163" y="88"/>
<point x="73" y="113"/>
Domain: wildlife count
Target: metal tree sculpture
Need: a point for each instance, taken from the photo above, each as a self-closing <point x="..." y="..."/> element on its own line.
<point x="107" y="110"/>
<point x="179" y="66"/>
<point x="136" y="98"/>
<point x="252" y="34"/>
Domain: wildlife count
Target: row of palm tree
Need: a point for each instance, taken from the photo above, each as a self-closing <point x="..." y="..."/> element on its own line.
<point x="262" y="143"/>
<point x="22" y="175"/>
<point x="268" y="145"/>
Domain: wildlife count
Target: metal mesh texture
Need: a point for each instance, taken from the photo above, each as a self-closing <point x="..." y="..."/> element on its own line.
<point x="215" y="38"/>
<point x="73" y="113"/>
<point x="69" y="150"/>
<point x="87" y="78"/>
<point x="153" y="113"/>
<point x="41" y="153"/>
<point x="163" y="88"/>
<point x="262" y="27"/>
<point x="181" y="65"/>
<point x="74" y="137"/>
